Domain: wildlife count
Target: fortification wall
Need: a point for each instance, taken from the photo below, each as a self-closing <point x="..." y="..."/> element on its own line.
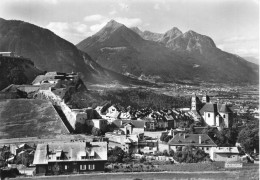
<point x="55" y="100"/>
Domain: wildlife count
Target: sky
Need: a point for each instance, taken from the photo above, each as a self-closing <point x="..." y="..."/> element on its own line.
<point x="232" y="24"/>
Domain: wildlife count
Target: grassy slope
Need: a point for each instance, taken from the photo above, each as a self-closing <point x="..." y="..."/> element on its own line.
<point x="31" y="118"/>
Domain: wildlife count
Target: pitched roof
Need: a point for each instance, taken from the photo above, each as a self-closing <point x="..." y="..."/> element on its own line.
<point x="40" y="78"/>
<point x="199" y="130"/>
<point x="191" y="139"/>
<point x="135" y="123"/>
<point x="72" y="151"/>
<point x="224" y="108"/>
<point x="209" y="107"/>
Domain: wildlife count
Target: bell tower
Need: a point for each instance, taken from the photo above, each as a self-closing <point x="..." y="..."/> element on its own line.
<point x="195" y="102"/>
<point x="205" y="99"/>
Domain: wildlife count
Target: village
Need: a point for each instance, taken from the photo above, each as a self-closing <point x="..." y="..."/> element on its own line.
<point x="113" y="137"/>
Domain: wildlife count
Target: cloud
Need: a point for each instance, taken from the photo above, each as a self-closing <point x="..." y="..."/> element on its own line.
<point x="96" y="27"/>
<point x="156" y="6"/>
<point x="112" y="12"/>
<point x="241" y="49"/>
<point x="240" y="38"/>
<point x="129" y="22"/>
<point x="93" y="18"/>
<point x="74" y="31"/>
<point x="123" y="6"/>
<point x="51" y="1"/>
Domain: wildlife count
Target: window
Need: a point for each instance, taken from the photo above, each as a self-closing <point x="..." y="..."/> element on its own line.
<point x="65" y="167"/>
<point x="49" y="167"/>
<point x="91" y="166"/>
<point x="83" y="167"/>
<point x="208" y="114"/>
<point x="207" y="148"/>
<point x="224" y="116"/>
<point x="91" y="157"/>
<point x="57" y="158"/>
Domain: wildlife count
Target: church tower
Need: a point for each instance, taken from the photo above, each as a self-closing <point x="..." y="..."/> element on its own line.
<point x="195" y="103"/>
<point x="205" y="99"/>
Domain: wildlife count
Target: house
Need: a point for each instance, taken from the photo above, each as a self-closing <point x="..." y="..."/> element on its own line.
<point x="70" y="157"/>
<point x="112" y="113"/>
<point x="130" y="126"/>
<point x="134" y="143"/>
<point x="227" y="154"/>
<point x="97" y="123"/>
<point x="129" y="135"/>
<point x="8" y="54"/>
<point x="202" y="141"/>
<point x="79" y="115"/>
<point x="170" y="121"/>
<point x="150" y="124"/>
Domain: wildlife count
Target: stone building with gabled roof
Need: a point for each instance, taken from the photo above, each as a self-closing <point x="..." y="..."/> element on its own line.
<point x="211" y="114"/>
<point x="70" y="157"/>
<point x="202" y="141"/>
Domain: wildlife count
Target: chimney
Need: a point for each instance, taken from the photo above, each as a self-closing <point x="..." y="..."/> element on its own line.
<point x="199" y="139"/>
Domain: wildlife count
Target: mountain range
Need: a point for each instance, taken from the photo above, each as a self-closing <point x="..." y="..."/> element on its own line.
<point x="129" y="56"/>
<point x="172" y="56"/>
<point x="49" y="52"/>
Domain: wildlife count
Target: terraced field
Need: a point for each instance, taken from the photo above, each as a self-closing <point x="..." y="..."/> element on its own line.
<point x="29" y="118"/>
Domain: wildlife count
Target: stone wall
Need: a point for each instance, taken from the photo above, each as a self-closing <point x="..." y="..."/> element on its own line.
<point x="55" y="100"/>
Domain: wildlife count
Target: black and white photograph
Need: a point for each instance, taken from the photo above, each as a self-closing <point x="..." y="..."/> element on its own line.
<point x="129" y="89"/>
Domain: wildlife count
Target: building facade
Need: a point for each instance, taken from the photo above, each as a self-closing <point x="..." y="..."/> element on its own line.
<point x="227" y="154"/>
<point x="202" y="141"/>
<point x="70" y="157"/>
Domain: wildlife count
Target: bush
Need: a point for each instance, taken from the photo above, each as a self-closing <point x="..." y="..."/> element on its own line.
<point x="95" y="131"/>
<point x="168" y="138"/>
<point x="191" y="154"/>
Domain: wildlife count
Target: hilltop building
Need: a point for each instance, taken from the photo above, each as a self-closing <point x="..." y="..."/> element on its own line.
<point x="8" y="54"/>
<point x="70" y="157"/>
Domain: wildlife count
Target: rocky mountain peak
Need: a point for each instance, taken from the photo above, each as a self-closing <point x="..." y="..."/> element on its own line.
<point x="171" y="34"/>
<point x="173" y="31"/>
<point x="137" y="30"/>
<point x="203" y="40"/>
<point x="113" y="24"/>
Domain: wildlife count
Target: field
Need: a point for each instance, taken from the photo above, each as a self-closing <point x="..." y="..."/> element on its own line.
<point x="21" y="118"/>
<point x="251" y="173"/>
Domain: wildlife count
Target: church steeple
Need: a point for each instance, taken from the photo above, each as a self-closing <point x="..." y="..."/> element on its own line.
<point x="205" y="98"/>
<point x="195" y="102"/>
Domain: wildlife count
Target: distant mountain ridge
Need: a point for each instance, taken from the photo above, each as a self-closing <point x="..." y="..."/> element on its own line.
<point x="122" y="50"/>
<point x="49" y="52"/>
<point x="171" y="56"/>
